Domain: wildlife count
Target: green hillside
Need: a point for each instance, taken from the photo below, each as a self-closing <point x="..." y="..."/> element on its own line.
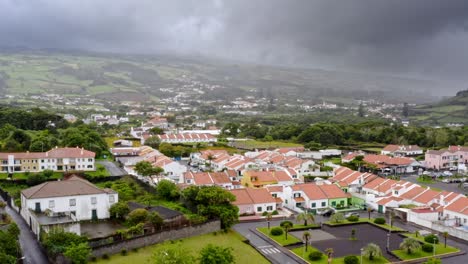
<point x="141" y="78"/>
<point x="450" y="110"/>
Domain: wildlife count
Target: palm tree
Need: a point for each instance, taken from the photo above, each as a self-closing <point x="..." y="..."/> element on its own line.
<point x="369" y="210"/>
<point x="305" y="217"/>
<point x="416" y="234"/>
<point x="391" y="216"/>
<point x="372" y="251"/>
<point x="329" y="252"/>
<point x="306" y="237"/>
<point x="410" y="245"/>
<point x="445" y="235"/>
<point x="269" y="217"/>
<point x="287" y="226"/>
<point x="353" y="234"/>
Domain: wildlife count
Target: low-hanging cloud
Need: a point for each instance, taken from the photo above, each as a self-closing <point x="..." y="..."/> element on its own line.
<point x="419" y="37"/>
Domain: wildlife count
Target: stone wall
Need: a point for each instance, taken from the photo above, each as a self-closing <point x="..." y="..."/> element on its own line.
<point x="152" y="239"/>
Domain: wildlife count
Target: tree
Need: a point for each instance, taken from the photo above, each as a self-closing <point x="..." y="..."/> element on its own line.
<point x="416" y="234"/>
<point x="361" y="110"/>
<point x="212" y="254"/>
<point x="137" y="216"/>
<point x="119" y="210"/>
<point x="410" y="245"/>
<point x="445" y="235"/>
<point x="329" y="252"/>
<point x="287" y="226"/>
<point x="14" y="230"/>
<point x="156" y="131"/>
<point x="144" y="168"/>
<point x="305" y="217"/>
<point x="372" y="251"/>
<point x="353" y="234"/>
<point x="57" y="240"/>
<point x="78" y="253"/>
<point x="405" y="109"/>
<point x="369" y="210"/>
<point x="306" y="237"/>
<point x="173" y="255"/>
<point x="167" y="190"/>
<point x="337" y="217"/>
<point x="153" y="142"/>
<point x="215" y="202"/>
<point x="156" y="220"/>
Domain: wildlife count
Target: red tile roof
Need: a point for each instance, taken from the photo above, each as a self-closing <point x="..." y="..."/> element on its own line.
<point x="460" y="205"/>
<point x="252" y="196"/>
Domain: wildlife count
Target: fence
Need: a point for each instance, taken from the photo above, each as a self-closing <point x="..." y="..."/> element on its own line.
<point x="147" y="240"/>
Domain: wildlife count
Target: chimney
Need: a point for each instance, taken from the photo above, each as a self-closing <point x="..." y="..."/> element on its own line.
<point x="47" y="154"/>
<point x="81" y="151"/>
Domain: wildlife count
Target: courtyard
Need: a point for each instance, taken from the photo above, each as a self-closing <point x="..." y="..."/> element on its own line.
<point x="339" y="238"/>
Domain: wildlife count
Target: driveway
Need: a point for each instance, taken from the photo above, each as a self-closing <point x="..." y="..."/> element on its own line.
<point x="112" y="168"/>
<point x="32" y="252"/>
<point x="270" y="250"/>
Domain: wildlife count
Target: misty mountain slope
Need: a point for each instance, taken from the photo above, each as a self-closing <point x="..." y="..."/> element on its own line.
<point x="139" y="78"/>
<point x="450" y="110"/>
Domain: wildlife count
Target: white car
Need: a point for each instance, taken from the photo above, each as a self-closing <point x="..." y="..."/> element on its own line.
<point x="447" y="173"/>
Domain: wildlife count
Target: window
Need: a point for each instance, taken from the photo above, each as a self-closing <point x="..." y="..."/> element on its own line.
<point x="324" y="204"/>
<point x="298" y="204"/>
<point x="90" y="166"/>
<point x="275" y="195"/>
<point x="111" y="199"/>
<point x="51" y="204"/>
<point x="270" y="208"/>
<point x="342" y="202"/>
<point x="93" y="200"/>
<point x="333" y="203"/>
<point x="313" y="205"/>
<point x="72" y="202"/>
<point x="396" y="192"/>
<point x="296" y="195"/>
<point x="259" y="209"/>
<point x="90" y="160"/>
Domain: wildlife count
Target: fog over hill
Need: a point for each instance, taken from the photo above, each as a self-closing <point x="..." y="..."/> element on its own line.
<point x="419" y="39"/>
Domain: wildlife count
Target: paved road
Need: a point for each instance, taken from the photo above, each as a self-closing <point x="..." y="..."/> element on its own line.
<point x="270" y="250"/>
<point x="30" y="247"/>
<point x="451" y="187"/>
<point x="112" y="168"/>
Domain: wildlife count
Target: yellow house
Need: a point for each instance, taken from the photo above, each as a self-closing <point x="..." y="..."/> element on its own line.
<point x="258" y="179"/>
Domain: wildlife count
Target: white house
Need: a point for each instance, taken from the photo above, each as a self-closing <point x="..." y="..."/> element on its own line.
<point x="64" y="204"/>
<point x="254" y="201"/>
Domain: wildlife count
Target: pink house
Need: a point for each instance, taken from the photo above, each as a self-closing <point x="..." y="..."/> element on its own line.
<point x="446" y="158"/>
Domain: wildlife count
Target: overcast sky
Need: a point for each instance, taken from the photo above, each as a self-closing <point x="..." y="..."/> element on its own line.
<point x="426" y="38"/>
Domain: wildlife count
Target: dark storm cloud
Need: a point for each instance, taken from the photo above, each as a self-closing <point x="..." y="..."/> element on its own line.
<point x="414" y="37"/>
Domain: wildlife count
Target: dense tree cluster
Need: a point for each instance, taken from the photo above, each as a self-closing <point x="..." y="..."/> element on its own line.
<point x="9" y="247"/>
<point x="73" y="246"/>
<point x="329" y="134"/>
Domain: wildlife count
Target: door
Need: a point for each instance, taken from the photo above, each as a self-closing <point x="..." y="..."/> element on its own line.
<point x="38" y="208"/>
<point x="380" y="209"/>
<point x="94" y="215"/>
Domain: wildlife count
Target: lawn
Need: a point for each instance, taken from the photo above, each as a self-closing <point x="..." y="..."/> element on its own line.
<point x="280" y="239"/>
<point x="301" y="226"/>
<point x="22" y="175"/>
<point x="440" y="249"/>
<point x="300" y="251"/>
<point x="101" y="171"/>
<point x="425" y="180"/>
<point x="243" y="253"/>
<point x="252" y="144"/>
<point x="365" y="220"/>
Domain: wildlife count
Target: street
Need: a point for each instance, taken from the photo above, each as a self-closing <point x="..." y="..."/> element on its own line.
<point x="451" y="187"/>
<point x="32" y="252"/>
<point x="112" y="168"/>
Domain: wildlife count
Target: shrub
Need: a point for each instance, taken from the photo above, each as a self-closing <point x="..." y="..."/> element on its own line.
<point x="351" y="260"/>
<point x="427" y="248"/>
<point x="265" y="213"/>
<point x="315" y="255"/>
<point x="123" y="252"/>
<point x="93" y="259"/>
<point x="379" y="221"/>
<point x="284" y="222"/>
<point x="275" y="212"/>
<point x="353" y="218"/>
<point x="105" y="256"/>
<point x="431" y="239"/>
<point x="276" y="231"/>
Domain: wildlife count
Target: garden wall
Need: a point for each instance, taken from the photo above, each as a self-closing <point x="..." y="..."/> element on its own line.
<point x="152" y="239"/>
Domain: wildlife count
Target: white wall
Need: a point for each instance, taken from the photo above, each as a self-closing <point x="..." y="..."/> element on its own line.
<point x="264" y="207"/>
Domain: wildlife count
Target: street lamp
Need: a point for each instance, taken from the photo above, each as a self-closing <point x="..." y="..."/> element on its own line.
<point x="362" y="252"/>
<point x="388" y="241"/>
<point x="433" y="243"/>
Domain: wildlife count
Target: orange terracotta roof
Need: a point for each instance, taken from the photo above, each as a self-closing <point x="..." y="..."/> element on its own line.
<point x="460" y="205"/>
<point x="411" y="194"/>
<point x="299" y="199"/>
<point x="427" y="196"/>
<point x="252" y="196"/>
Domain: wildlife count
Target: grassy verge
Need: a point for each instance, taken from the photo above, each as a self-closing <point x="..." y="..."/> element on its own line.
<point x="243" y="253"/>
<point x="425" y="180"/>
<point x="365" y="220"/>
<point x="23" y="176"/>
<point x="280" y="239"/>
<point x="265" y="144"/>
<point x="300" y="251"/>
<point x="439" y="249"/>
<point x="301" y="227"/>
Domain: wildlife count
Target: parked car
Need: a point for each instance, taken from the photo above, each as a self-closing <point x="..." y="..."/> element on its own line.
<point x="351" y="214"/>
<point x="325" y="212"/>
<point x="447" y="180"/>
<point x="447" y="173"/>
